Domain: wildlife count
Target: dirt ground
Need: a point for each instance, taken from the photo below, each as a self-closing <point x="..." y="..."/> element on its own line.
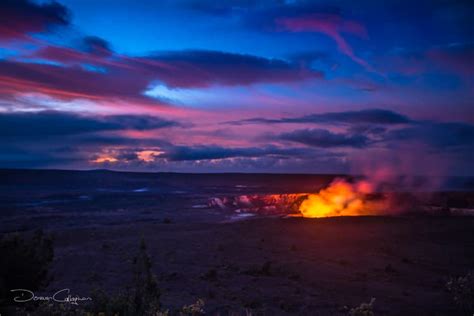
<point x="277" y="266"/>
<point x="265" y="265"/>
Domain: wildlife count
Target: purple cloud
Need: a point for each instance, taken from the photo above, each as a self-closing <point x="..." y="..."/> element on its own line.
<point x="22" y="17"/>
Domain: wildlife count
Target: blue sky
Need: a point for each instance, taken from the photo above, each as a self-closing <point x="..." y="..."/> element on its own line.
<point x="221" y="86"/>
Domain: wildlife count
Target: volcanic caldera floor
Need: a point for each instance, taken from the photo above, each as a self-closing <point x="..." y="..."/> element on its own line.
<point x="277" y="266"/>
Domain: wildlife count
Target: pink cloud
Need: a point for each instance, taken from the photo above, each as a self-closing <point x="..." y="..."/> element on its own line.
<point x="457" y="58"/>
<point x="330" y="25"/>
<point x="126" y="78"/>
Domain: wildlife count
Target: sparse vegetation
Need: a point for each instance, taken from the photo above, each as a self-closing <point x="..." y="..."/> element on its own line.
<point x="364" y="309"/>
<point x="24" y="262"/>
<point x="142" y="298"/>
<point x="462" y="290"/>
<point x="195" y="309"/>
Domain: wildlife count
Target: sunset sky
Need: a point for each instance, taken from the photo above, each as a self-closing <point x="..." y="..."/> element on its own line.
<point x="238" y="86"/>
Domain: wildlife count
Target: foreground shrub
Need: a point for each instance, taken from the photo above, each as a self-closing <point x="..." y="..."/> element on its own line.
<point x="143" y="297"/>
<point x="195" y="309"/>
<point x="462" y="290"/>
<point x="24" y="262"/>
<point x="364" y="309"/>
<point x="32" y="257"/>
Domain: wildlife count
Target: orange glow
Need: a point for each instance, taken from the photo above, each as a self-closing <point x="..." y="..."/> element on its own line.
<point x="340" y="198"/>
<point x="148" y="155"/>
<point x="282" y="199"/>
<point x="104" y="159"/>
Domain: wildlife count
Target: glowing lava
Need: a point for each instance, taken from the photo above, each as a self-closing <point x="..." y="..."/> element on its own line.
<point x="340" y="198"/>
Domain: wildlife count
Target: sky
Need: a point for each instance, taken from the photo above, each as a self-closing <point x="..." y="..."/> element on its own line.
<point x="238" y="86"/>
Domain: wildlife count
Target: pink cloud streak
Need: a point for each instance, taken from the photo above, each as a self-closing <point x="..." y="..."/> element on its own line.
<point x="332" y="26"/>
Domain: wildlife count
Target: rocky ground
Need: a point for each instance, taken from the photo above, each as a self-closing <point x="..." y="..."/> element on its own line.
<point x="263" y="265"/>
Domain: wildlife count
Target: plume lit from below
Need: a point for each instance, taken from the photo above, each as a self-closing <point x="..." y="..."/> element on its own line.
<point x="348" y="197"/>
<point x="340" y="198"/>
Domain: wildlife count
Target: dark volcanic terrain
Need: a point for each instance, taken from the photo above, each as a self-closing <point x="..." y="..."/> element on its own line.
<point x="266" y="265"/>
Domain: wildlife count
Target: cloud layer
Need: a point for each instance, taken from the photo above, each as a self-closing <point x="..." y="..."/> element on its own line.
<point x="22" y="17"/>
<point x="274" y="86"/>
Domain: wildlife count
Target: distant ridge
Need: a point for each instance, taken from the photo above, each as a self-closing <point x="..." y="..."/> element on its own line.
<point x="168" y="172"/>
